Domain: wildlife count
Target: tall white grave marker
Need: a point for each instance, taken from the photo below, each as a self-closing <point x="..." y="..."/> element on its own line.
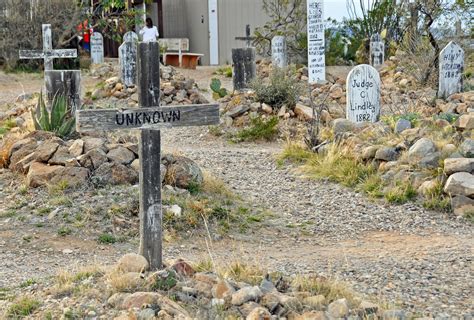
<point x="316" y="62"/>
<point x="451" y="67"/>
<point x="128" y="58"/>
<point x="377" y="51"/>
<point x="279" y="52"/>
<point x="97" y="48"/>
<point x="363" y="94"/>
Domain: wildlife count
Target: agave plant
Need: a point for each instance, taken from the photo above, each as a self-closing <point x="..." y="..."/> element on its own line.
<point x="59" y="120"/>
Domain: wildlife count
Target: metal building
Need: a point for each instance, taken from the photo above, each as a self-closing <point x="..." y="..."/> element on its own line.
<point x="210" y="25"/>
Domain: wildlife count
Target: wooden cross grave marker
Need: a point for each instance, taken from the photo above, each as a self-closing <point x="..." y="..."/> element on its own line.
<point x="150" y="117"/>
<point x="247" y="37"/>
<point x="48" y="53"/>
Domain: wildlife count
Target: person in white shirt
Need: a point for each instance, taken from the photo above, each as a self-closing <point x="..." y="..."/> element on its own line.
<point x="149" y="32"/>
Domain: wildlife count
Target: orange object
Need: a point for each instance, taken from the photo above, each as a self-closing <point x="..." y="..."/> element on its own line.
<point x="189" y="60"/>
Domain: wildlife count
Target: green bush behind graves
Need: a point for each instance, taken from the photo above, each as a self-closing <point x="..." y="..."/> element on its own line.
<point x="59" y="120"/>
<point x="282" y="89"/>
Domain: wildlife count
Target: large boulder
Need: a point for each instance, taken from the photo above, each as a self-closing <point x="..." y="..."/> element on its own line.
<point x="460" y="183"/>
<point x="246" y="294"/>
<point x="61" y="156"/>
<point x="465" y="122"/>
<point x="342" y="125"/>
<point x="114" y="173"/>
<point x="132" y="262"/>
<point x="182" y="172"/>
<point x="93" y="159"/>
<point x="422" y="148"/>
<point x="402" y="125"/>
<point x="121" y="155"/>
<point x="303" y="112"/>
<point x="19" y="151"/>
<point x="40" y="174"/>
<point x="386" y="154"/>
<point x="453" y="165"/>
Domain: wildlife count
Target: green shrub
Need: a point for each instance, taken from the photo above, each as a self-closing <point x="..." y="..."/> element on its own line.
<point x="225" y="71"/>
<point x="59" y="120"/>
<point x="281" y="90"/>
<point x="216" y="87"/>
<point x="106" y="238"/>
<point x="259" y="129"/>
<point x="436" y="199"/>
<point x="23" y="308"/>
<point x="401" y="192"/>
<point x="450" y="117"/>
<point x="391" y="120"/>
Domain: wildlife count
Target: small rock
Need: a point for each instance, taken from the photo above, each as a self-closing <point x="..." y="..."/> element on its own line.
<point x="369" y="152"/>
<point x="121" y="155"/>
<point x="255" y="106"/>
<point x="312" y="315"/>
<point x="402" y="125"/>
<point x="467" y="148"/>
<point x="146" y="314"/>
<point x="246" y="294"/>
<point x="222" y="289"/>
<point x="41" y="174"/>
<point x="386" y="154"/>
<point x="403" y="83"/>
<point x="266" y="108"/>
<point x="115" y="174"/>
<point x="368" y="307"/>
<point x="259" y="313"/>
<point x="303" y="112"/>
<point x="394" y="315"/>
<point x="462" y="206"/>
<point x="342" y="125"/>
<point x="338" y="308"/>
<point x="182" y="268"/>
<point x="132" y="262"/>
<point x="237" y="111"/>
<point x="76" y="148"/>
<point x="67" y="251"/>
<point x="465" y="122"/>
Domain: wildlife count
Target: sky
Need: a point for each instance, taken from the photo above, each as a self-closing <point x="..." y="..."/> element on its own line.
<point x="335" y="9"/>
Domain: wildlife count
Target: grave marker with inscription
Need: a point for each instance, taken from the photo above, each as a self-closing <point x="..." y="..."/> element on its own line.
<point x="244" y="63"/>
<point x="451" y="68"/>
<point x="128" y="59"/>
<point x="48" y="53"/>
<point x="97" y="48"/>
<point x="150" y="118"/>
<point x="64" y="82"/>
<point x="279" y="52"/>
<point x="363" y="94"/>
<point x="316" y="45"/>
<point x="377" y="51"/>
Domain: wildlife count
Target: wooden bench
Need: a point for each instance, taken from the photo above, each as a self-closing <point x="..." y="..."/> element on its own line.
<point x="175" y="56"/>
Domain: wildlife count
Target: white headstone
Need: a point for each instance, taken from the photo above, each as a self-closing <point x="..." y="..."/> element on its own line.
<point x="316" y="57"/>
<point x="377" y="51"/>
<point x="451" y="67"/>
<point x="279" y="51"/>
<point x="128" y="59"/>
<point x="363" y="94"/>
<point x="97" y="48"/>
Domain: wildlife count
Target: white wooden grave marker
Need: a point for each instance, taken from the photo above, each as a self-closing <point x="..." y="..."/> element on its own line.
<point x="377" y="51"/>
<point x="279" y="52"/>
<point x="316" y="46"/>
<point x="363" y="94"/>
<point x="128" y="59"/>
<point x="451" y="68"/>
<point x="48" y="53"/>
<point x="149" y="118"/>
<point x="97" y="48"/>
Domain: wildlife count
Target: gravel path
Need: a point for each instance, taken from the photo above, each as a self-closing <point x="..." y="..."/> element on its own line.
<point x="404" y="254"/>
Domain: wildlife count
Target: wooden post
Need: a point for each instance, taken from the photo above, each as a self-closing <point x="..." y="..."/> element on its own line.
<point x="150" y="149"/>
<point x="47" y="46"/>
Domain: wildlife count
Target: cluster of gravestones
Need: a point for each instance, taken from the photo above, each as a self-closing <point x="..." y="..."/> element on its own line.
<point x="363" y="82"/>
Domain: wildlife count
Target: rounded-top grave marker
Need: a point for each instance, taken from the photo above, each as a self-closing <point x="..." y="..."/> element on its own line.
<point x="363" y="94"/>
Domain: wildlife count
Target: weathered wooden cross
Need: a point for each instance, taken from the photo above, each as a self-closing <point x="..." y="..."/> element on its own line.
<point x="247" y="37"/>
<point x="48" y="53"/>
<point x="150" y="117"/>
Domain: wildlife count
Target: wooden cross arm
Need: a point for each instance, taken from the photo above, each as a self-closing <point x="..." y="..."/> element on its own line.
<point x="40" y="54"/>
<point x="147" y="118"/>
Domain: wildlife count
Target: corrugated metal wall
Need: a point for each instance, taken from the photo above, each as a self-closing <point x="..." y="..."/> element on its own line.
<point x="234" y="15"/>
<point x="190" y="19"/>
<point x="175" y="22"/>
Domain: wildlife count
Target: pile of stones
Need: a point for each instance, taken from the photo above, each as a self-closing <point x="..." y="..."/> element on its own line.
<point x="175" y="89"/>
<point x="206" y="295"/>
<point x="47" y="159"/>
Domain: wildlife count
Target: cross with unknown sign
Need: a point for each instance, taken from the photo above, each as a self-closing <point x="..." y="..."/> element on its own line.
<point x="150" y="117"/>
<point x="48" y="53"/>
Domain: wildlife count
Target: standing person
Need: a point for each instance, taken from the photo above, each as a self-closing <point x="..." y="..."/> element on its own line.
<point x="149" y="32"/>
